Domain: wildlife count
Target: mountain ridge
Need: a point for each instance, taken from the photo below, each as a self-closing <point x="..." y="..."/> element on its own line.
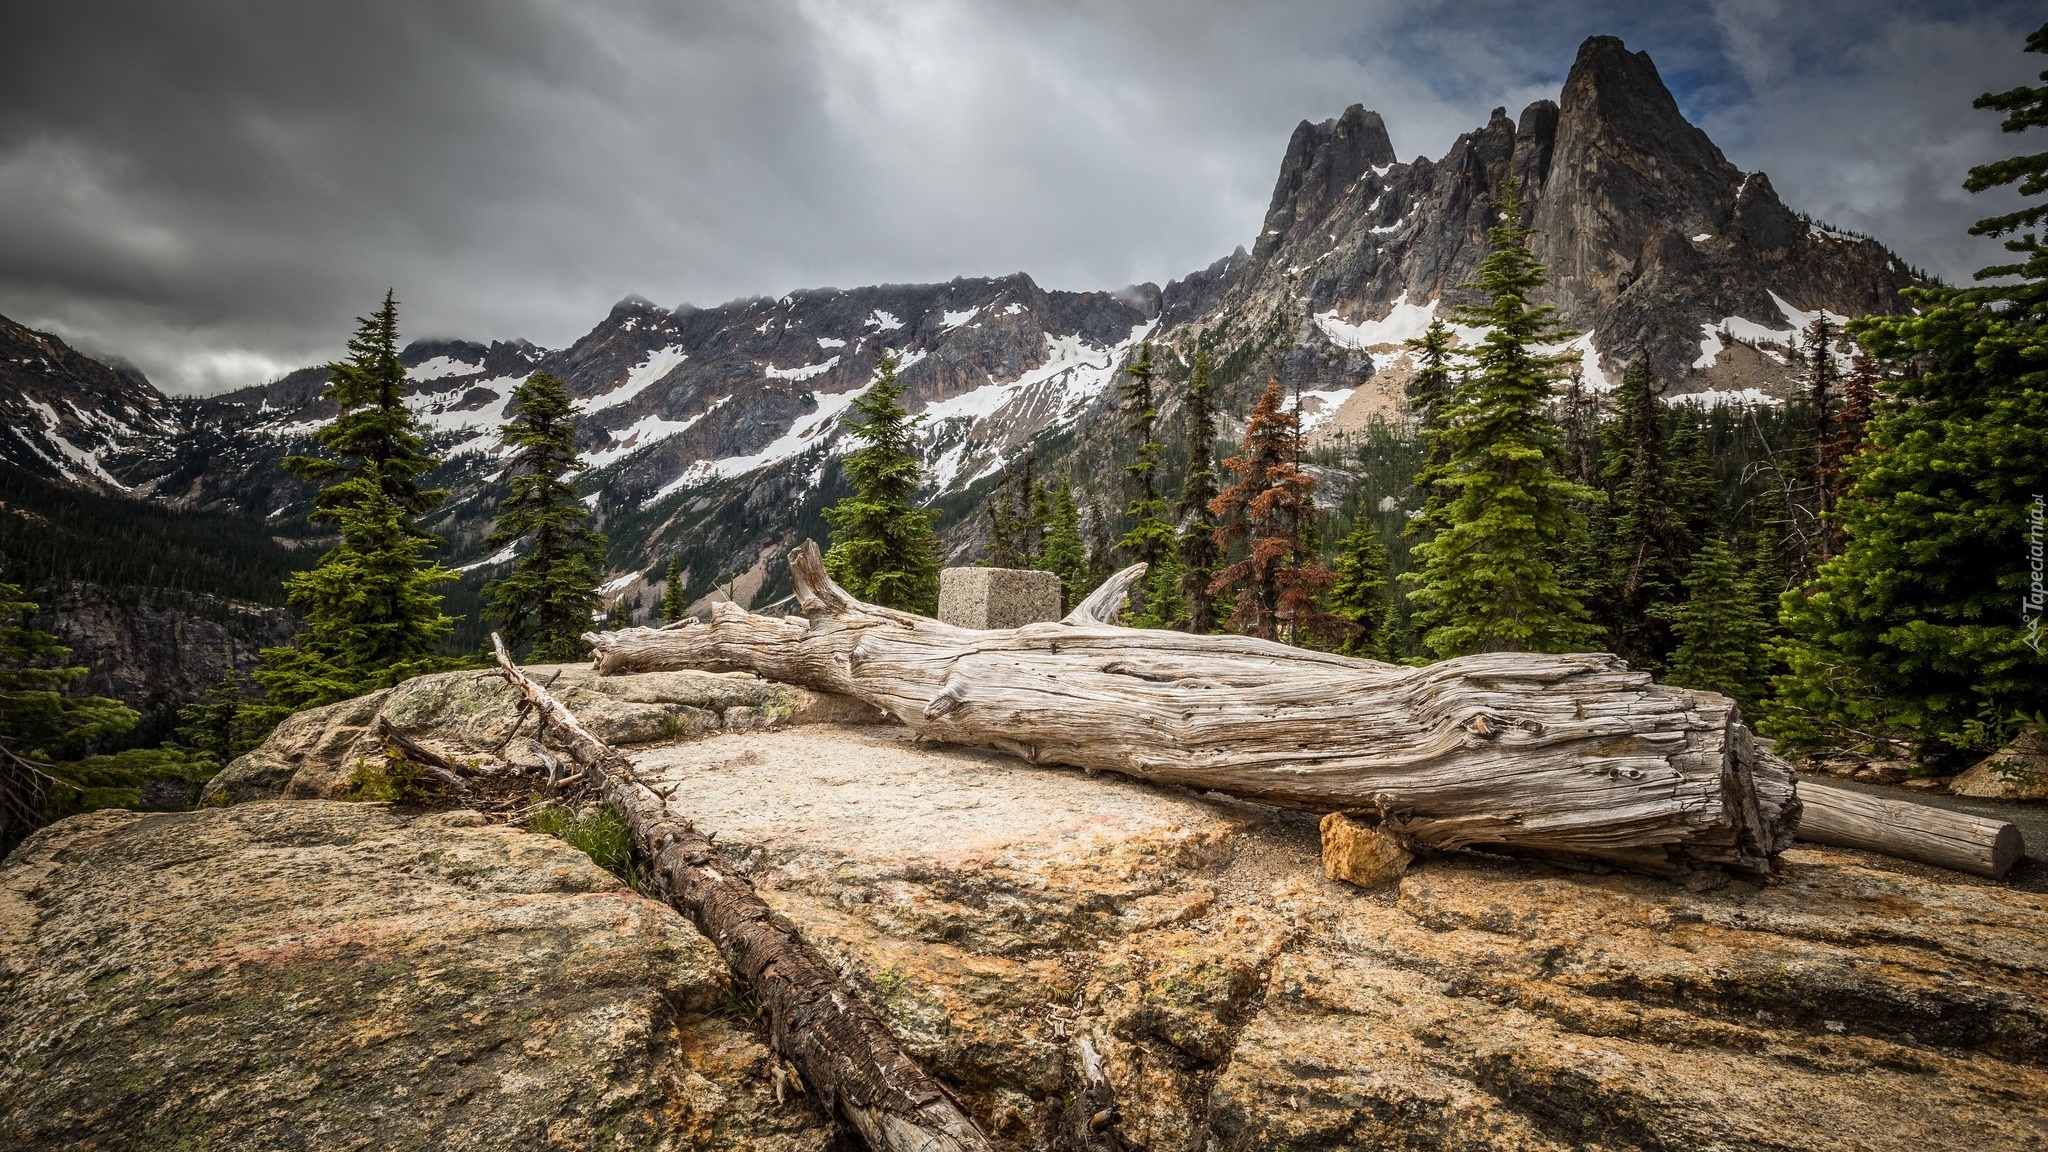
<point x="1658" y="247"/>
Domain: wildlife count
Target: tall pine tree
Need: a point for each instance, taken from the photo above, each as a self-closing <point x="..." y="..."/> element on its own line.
<point x="1150" y="538"/>
<point x="1645" y="547"/>
<point x="547" y="599"/>
<point x="1487" y="581"/>
<point x="1928" y="624"/>
<point x="1358" y="594"/>
<point x="1270" y="508"/>
<point x="1721" y="633"/>
<point x="370" y="612"/>
<point x="883" y="550"/>
<point x="673" y="606"/>
<point x="39" y="723"/>
<point x="1065" y="556"/>
<point x="1432" y="398"/>
<point x="1195" y="548"/>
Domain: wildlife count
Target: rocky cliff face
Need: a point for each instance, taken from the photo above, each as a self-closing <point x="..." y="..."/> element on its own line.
<point x="1005" y="920"/>
<point x="158" y="650"/>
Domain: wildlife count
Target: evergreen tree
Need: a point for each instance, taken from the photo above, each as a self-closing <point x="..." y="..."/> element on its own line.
<point x="1151" y="534"/>
<point x="1101" y="549"/>
<point x="883" y="550"/>
<point x="1644" y="547"/>
<point x="1065" y="555"/>
<point x="1487" y="581"/>
<point x="1016" y="517"/>
<point x="370" y="613"/>
<point x="1358" y="594"/>
<point x="1195" y="549"/>
<point x="1820" y="376"/>
<point x="1270" y="508"/>
<point x="1432" y="397"/>
<point x="374" y="431"/>
<point x="1927" y="624"/>
<point x="1163" y="606"/>
<point x="547" y="600"/>
<point x="216" y="723"/>
<point x="1720" y="631"/>
<point x="673" y="606"/>
<point x="39" y="724"/>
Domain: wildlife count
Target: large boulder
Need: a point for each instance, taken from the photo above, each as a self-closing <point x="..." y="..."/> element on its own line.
<point x="321" y="975"/>
<point x="469" y="715"/>
<point x="1000" y="914"/>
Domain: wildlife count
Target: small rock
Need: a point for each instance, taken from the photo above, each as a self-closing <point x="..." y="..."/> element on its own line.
<point x="1928" y="783"/>
<point x="1360" y="853"/>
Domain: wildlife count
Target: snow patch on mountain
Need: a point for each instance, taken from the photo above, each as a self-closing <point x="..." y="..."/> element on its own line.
<point x="804" y="433"/>
<point x="658" y="364"/>
<point x="1714" y="338"/>
<point x="803" y="373"/>
<point x="953" y="320"/>
<point x="441" y="366"/>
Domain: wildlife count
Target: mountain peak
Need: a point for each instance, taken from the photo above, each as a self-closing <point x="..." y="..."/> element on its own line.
<point x="1322" y="161"/>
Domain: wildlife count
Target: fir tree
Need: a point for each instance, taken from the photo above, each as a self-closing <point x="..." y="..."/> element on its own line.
<point x="1818" y="386"/>
<point x="1644" y="547"/>
<point x="216" y="724"/>
<point x="1195" y="549"/>
<point x="547" y="599"/>
<point x="1151" y="536"/>
<point x="370" y="613"/>
<point x="1358" y="594"/>
<point x="883" y="550"/>
<point x="1101" y="548"/>
<point x="1721" y="634"/>
<point x="1432" y="397"/>
<point x="1016" y="512"/>
<point x="1163" y="606"/>
<point x="1927" y="624"/>
<point x="1270" y="508"/>
<point x="1065" y="556"/>
<point x="39" y="724"/>
<point x="1487" y="581"/>
<point x="673" y="606"/>
<point x="374" y="431"/>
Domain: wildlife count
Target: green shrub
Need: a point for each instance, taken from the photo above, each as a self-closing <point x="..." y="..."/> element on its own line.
<point x="600" y="833"/>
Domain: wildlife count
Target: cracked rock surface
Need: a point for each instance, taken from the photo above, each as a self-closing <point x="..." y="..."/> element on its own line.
<point x="999" y="913"/>
<point x="310" y="974"/>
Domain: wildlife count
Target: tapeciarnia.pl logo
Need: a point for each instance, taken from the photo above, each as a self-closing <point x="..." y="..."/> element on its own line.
<point x="2031" y="604"/>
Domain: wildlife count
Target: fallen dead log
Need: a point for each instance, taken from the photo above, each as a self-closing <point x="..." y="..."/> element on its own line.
<point x="842" y="1050"/>
<point x="1846" y="818"/>
<point x="1566" y="755"/>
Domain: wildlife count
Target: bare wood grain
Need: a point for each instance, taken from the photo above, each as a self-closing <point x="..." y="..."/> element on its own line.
<point x="1567" y="755"/>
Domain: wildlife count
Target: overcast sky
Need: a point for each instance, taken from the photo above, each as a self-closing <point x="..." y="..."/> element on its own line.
<point x="213" y="190"/>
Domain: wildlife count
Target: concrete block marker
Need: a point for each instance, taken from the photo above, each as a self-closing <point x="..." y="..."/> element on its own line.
<point x="997" y="597"/>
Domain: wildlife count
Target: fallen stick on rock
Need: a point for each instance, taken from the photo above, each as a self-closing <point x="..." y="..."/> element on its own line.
<point x="842" y="1050"/>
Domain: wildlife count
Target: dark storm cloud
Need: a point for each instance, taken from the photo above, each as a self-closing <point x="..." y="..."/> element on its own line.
<point x="213" y="189"/>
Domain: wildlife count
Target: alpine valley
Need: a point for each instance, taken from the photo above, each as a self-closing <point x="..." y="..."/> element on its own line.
<point x="712" y="433"/>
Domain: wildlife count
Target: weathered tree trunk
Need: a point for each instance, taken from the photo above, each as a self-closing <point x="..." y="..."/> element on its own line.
<point x="1847" y="818"/>
<point x="1570" y="755"/>
<point x="843" y="1051"/>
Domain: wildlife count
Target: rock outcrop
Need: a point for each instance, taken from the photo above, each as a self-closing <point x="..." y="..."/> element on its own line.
<point x="1000" y="914"/>
<point x="292" y="975"/>
<point x="1016" y="925"/>
<point x="472" y="716"/>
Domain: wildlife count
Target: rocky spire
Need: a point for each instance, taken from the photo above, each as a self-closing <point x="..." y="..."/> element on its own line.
<point x="1322" y="161"/>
